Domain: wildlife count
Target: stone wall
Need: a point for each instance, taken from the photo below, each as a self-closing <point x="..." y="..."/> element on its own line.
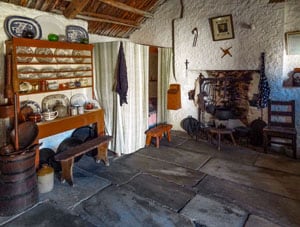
<point x="269" y="23"/>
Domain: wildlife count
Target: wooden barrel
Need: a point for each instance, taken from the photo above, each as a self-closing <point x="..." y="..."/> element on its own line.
<point x="18" y="183"/>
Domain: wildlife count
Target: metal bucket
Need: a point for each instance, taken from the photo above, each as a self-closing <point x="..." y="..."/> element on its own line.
<point x="18" y="183"/>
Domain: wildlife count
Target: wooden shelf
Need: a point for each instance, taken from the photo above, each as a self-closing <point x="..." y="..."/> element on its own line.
<point x="19" y="47"/>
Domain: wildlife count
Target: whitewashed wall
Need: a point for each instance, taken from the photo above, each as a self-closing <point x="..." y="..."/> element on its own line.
<point x="269" y="22"/>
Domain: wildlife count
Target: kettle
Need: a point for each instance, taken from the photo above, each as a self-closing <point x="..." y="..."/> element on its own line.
<point x="61" y="109"/>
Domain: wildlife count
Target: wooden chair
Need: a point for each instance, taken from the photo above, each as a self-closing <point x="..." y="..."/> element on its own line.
<point x="281" y="125"/>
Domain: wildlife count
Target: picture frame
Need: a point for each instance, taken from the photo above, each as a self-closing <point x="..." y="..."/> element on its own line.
<point x="292" y="43"/>
<point x="221" y="27"/>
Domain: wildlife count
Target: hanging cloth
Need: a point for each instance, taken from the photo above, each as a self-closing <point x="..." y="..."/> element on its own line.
<point x="263" y="86"/>
<point x="121" y="80"/>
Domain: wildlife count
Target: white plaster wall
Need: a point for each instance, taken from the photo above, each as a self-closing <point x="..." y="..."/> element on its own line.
<point x="292" y="23"/>
<point x="270" y="21"/>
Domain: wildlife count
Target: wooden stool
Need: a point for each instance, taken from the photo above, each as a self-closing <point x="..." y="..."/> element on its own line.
<point x="219" y="132"/>
<point x="158" y="132"/>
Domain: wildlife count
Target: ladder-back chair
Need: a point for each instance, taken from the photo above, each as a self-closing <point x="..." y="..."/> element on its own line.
<point x="281" y="125"/>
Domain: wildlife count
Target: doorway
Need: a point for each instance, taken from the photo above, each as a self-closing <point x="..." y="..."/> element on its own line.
<point x="153" y="76"/>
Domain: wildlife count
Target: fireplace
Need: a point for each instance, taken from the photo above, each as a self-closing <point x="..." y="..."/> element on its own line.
<point x="228" y="94"/>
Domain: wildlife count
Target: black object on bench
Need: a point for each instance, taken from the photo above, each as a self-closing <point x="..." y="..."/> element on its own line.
<point x="66" y="158"/>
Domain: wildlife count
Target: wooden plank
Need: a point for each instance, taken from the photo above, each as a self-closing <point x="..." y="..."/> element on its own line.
<point x="104" y="21"/>
<point x="111" y="19"/>
<point x="102" y="18"/>
<point x="74" y="8"/>
<point x="82" y="148"/>
<point x="125" y="7"/>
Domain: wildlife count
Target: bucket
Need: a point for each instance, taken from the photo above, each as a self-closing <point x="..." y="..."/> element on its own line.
<point x="18" y="183"/>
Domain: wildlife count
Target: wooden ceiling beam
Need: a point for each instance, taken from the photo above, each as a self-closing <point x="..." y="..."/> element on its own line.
<point x="125" y="7"/>
<point x="99" y="19"/>
<point x="104" y="21"/>
<point x="111" y="19"/>
<point x="74" y="8"/>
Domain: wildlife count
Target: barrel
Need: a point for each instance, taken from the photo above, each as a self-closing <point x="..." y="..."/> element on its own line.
<point x="18" y="182"/>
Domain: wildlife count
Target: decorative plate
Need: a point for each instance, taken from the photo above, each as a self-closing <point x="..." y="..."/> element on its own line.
<point x="44" y="51"/>
<point x="48" y="72"/>
<point x="77" y="53"/>
<point x="60" y="56"/>
<point x="76" y="33"/>
<point x="27" y="72"/>
<point x="24" y="50"/>
<point x="15" y="26"/>
<point x="65" y="72"/>
<point x="83" y="68"/>
<point x="78" y="99"/>
<point x="50" y="101"/>
<point x="50" y="24"/>
<point x="32" y="104"/>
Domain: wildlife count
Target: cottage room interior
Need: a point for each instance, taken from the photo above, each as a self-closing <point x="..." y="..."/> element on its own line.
<point x="174" y="122"/>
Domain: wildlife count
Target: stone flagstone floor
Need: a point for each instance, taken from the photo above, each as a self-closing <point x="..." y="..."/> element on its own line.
<point x="183" y="183"/>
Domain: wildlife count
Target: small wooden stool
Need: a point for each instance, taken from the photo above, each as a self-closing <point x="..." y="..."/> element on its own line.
<point x="219" y="132"/>
<point x="158" y="132"/>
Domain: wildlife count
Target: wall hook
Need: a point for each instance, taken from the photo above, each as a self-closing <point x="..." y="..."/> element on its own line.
<point x="195" y="33"/>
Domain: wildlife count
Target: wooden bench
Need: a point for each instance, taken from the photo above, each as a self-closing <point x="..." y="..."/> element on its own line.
<point x="157" y="132"/>
<point x="66" y="158"/>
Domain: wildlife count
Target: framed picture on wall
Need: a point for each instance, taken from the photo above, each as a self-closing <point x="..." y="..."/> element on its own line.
<point x="221" y="27"/>
<point x="292" y="43"/>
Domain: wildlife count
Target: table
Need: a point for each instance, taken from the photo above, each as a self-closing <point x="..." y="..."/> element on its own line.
<point x="49" y="128"/>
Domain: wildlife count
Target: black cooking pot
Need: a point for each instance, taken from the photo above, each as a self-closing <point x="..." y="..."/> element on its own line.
<point x="223" y="113"/>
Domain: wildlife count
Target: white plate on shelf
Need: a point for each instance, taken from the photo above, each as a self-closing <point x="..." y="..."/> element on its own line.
<point x="78" y="99"/>
<point x="27" y="72"/>
<point x="65" y="72"/>
<point x="83" y="68"/>
<point x="44" y="51"/>
<point x="61" y="54"/>
<point x="32" y="104"/>
<point x="48" y="72"/>
<point x="78" y="53"/>
<point x="76" y="33"/>
<point x="14" y="26"/>
<point x="50" y="24"/>
<point x="50" y="101"/>
<point x="24" y="50"/>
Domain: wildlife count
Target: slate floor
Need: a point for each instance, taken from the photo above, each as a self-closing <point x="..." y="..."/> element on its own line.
<point x="183" y="183"/>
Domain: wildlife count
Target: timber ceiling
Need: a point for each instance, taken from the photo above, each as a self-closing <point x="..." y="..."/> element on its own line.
<point x="114" y="18"/>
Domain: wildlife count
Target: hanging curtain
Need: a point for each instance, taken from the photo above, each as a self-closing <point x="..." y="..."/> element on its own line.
<point x="126" y="123"/>
<point x="164" y="74"/>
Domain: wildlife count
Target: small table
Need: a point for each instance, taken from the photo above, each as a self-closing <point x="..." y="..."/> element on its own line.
<point x="219" y="132"/>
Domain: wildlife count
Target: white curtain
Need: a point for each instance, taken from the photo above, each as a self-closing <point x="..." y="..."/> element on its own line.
<point x="126" y="123"/>
<point x="164" y="74"/>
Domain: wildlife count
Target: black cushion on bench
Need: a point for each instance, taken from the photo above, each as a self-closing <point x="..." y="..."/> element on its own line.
<point x="82" y="148"/>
